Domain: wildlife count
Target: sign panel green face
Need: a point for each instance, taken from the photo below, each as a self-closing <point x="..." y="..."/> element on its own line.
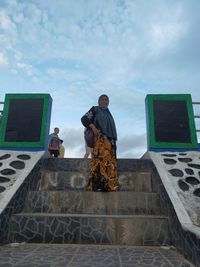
<point x="170" y="122"/>
<point x="25" y="122"/>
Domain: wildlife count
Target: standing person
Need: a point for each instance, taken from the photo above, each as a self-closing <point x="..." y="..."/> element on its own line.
<point x="103" y="173"/>
<point x="62" y="151"/>
<point x="54" y="143"/>
<point x="88" y="150"/>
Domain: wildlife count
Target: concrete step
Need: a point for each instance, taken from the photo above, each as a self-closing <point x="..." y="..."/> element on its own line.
<point x="82" y="165"/>
<point x="76" y="180"/>
<point x="76" y="255"/>
<point x="93" y="202"/>
<point x="90" y="229"/>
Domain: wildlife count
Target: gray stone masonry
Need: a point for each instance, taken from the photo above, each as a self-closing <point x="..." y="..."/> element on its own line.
<point x="56" y="255"/>
<point x="52" y="206"/>
<point x="61" y="211"/>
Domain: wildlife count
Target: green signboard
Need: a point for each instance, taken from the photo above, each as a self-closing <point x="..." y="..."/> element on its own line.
<point x="25" y="122"/>
<point x="170" y="122"/>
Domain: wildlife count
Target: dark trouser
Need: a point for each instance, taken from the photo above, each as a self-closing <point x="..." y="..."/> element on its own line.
<point x="55" y="153"/>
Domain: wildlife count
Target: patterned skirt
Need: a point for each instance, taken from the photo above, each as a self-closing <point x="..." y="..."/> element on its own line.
<point x="103" y="172"/>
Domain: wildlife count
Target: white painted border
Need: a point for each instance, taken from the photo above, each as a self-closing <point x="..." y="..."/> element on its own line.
<point x="176" y="201"/>
<point x="18" y="178"/>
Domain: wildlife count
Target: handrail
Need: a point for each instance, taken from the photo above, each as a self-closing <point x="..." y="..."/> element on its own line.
<point x="196" y="116"/>
<point x="1" y="103"/>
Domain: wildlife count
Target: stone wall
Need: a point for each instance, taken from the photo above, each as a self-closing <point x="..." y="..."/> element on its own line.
<point x="16" y="205"/>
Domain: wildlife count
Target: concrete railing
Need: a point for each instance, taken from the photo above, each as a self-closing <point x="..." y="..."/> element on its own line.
<point x="197" y="116"/>
<point x="1" y="110"/>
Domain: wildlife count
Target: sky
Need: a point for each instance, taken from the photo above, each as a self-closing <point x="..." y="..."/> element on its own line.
<point x="78" y="50"/>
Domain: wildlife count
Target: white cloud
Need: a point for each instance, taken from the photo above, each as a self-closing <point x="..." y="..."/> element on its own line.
<point x="73" y="141"/>
<point x="12" y="3"/>
<point x="27" y="68"/>
<point x="130" y="146"/>
<point x="165" y="35"/>
<point x="61" y="74"/>
<point x="18" y="18"/>
<point x="3" y="60"/>
<point x="5" y="22"/>
<point x="32" y="13"/>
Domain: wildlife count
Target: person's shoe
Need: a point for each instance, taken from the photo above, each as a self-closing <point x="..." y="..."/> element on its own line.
<point x="98" y="190"/>
<point x="116" y="188"/>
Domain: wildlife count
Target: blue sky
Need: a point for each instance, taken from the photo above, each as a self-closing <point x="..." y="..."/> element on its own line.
<point x="77" y="50"/>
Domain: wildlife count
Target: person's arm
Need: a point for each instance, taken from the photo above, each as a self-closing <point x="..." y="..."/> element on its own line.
<point x="94" y="128"/>
<point x="49" y="139"/>
<point x="88" y="120"/>
<point x="89" y="117"/>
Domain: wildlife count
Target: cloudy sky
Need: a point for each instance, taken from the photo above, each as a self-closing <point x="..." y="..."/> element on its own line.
<point x="77" y="50"/>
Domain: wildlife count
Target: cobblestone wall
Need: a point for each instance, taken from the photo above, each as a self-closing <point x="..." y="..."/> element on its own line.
<point x="186" y="242"/>
<point x="17" y="203"/>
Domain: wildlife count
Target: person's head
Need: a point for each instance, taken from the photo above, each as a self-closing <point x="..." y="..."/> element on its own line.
<point x="56" y="130"/>
<point x="103" y="101"/>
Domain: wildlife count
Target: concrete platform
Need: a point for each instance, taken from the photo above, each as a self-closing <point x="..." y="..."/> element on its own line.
<point x="47" y="255"/>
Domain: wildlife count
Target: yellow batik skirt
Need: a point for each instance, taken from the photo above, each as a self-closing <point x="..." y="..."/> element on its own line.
<point x="103" y="172"/>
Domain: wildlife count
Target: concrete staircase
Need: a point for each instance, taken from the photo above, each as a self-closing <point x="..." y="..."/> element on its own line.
<point x="61" y="211"/>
